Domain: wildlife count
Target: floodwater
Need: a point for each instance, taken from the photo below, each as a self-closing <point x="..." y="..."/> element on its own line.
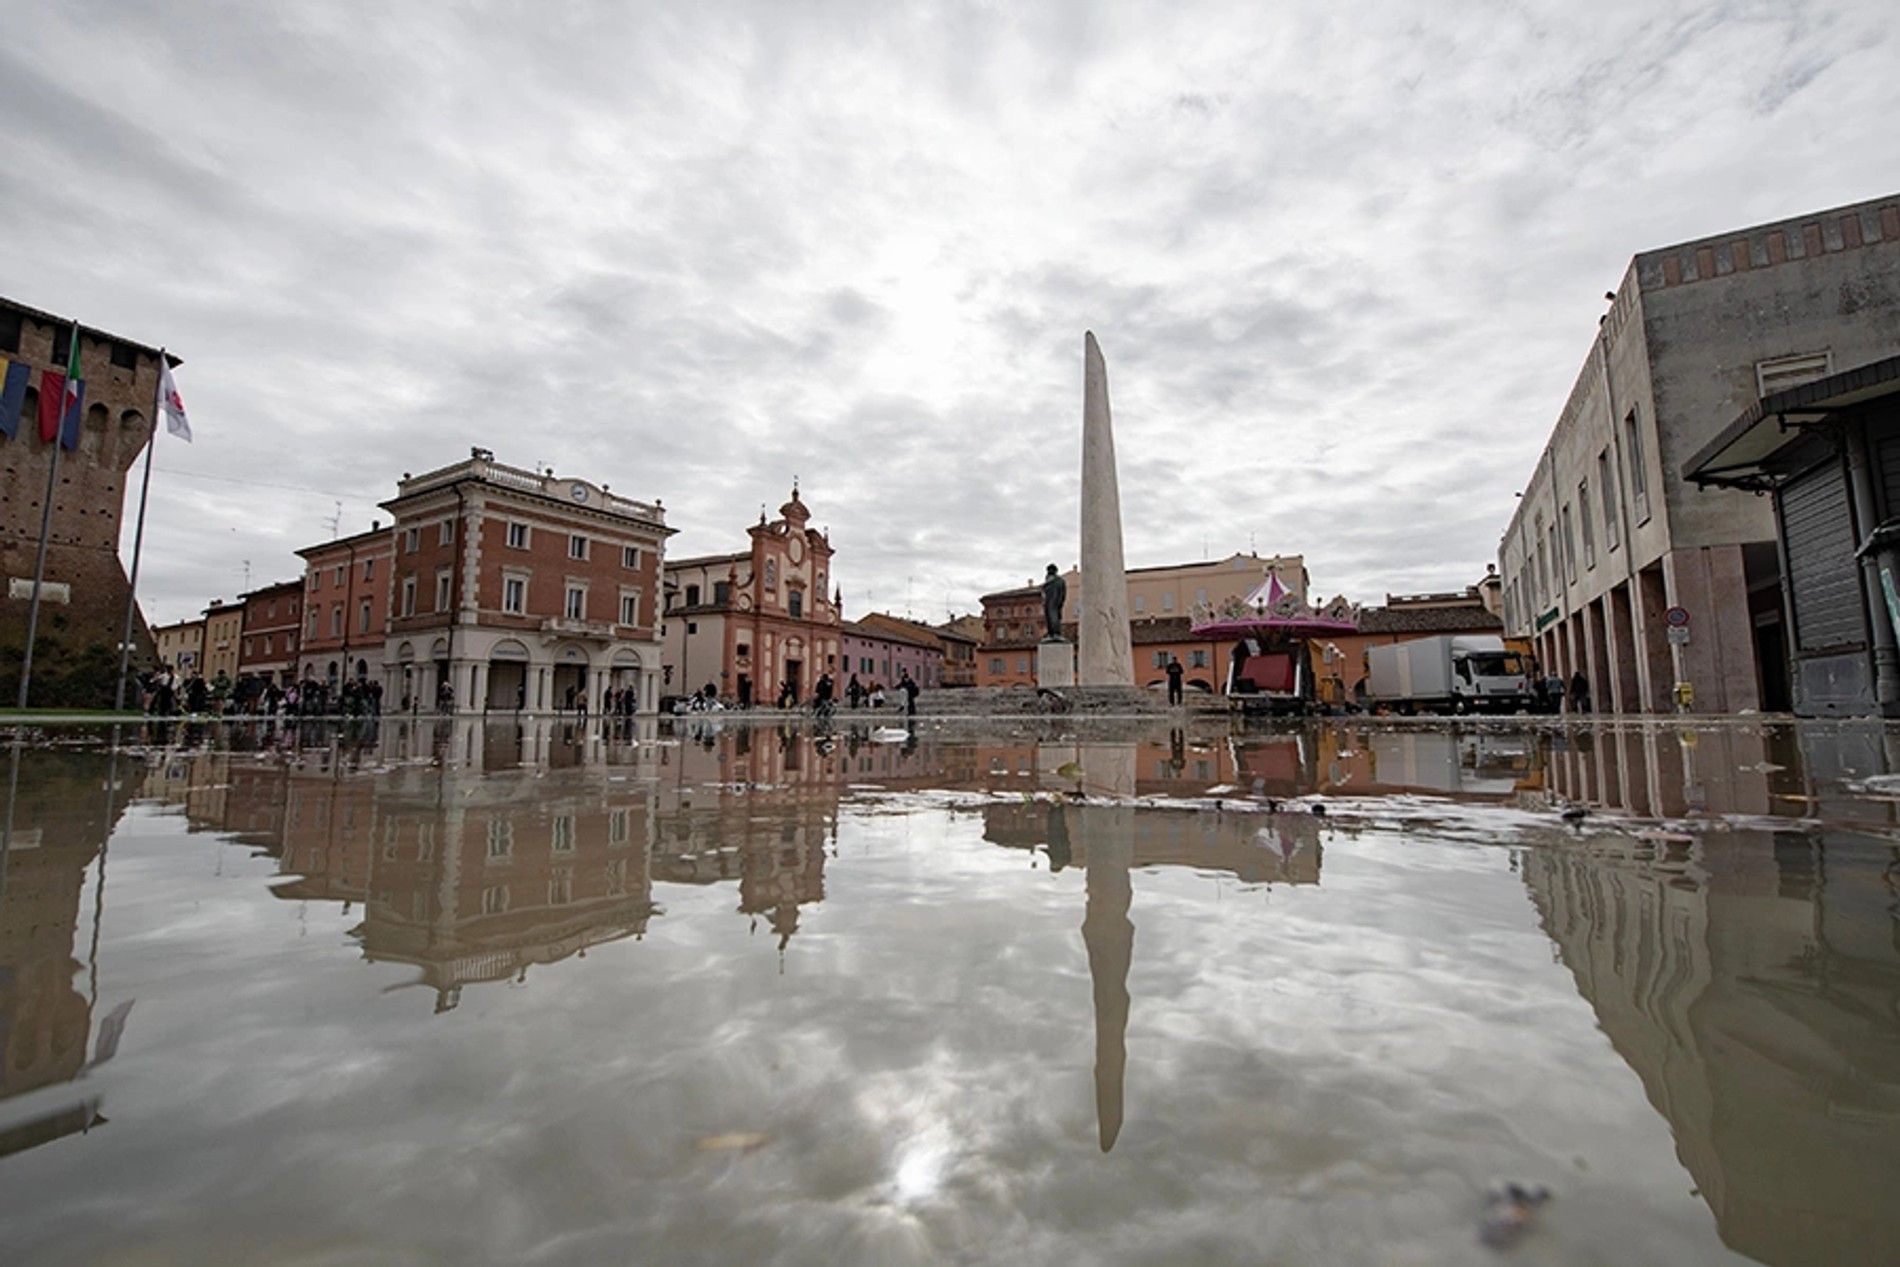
<point x="453" y="993"/>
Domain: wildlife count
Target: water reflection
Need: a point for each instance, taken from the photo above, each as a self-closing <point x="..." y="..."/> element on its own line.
<point x="1729" y="911"/>
<point x="1752" y="980"/>
<point x="61" y="808"/>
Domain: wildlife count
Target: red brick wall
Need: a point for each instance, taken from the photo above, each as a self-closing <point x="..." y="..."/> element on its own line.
<point x="88" y="503"/>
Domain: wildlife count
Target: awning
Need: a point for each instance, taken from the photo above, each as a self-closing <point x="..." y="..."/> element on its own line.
<point x="1742" y="454"/>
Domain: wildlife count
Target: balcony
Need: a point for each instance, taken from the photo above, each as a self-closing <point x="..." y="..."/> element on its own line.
<point x="567" y="627"/>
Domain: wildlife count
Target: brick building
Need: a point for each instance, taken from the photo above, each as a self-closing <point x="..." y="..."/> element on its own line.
<point x="961" y="636"/>
<point x="1012" y="626"/>
<point x="267" y="644"/>
<point x="880" y="649"/>
<point x="515" y="588"/>
<point x="82" y="613"/>
<point x="346" y="606"/>
<point x="757" y="622"/>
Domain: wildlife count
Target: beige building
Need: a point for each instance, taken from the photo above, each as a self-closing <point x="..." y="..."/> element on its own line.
<point x="181" y="645"/>
<point x="1163" y="602"/>
<point x="1614" y="563"/>
<point x="223" y="630"/>
<point x="1177" y="589"/>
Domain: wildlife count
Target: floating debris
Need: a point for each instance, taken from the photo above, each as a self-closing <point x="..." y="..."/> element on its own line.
<point x="735" y="1141"/>
<point x="1509" y="1210"/>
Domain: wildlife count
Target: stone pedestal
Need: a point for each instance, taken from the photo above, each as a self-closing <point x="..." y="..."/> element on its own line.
<point x="1055" y="664"/>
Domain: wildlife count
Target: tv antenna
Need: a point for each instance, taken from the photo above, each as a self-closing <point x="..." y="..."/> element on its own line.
<point x="336" y="522"/>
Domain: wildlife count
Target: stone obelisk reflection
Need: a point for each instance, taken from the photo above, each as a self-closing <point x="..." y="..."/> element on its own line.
<point x="1107" y="835"/>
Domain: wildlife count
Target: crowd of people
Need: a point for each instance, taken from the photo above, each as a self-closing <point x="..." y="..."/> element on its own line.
<point x="823" y="700"/>
<point x="168" y="693"/>
<point x="164" y="692"/>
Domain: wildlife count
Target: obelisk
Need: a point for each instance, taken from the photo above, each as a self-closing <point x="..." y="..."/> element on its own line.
<point x="1104" y="657"/>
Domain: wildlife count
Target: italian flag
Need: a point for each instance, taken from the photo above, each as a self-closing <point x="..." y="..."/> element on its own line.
<point x="60" y="399"/>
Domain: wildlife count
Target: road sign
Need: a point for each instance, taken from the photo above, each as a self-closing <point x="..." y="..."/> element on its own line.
<point x="1678" y="635"/>
<point x="1677" y="617"/>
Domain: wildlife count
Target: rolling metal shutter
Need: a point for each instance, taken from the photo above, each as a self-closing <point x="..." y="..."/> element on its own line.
<point x="1823" y="576"/>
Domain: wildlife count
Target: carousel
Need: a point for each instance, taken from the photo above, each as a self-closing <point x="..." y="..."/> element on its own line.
<point x="1273" y="631"/>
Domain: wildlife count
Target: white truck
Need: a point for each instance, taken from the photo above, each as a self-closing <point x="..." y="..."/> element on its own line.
<point x="1454" y="673"/>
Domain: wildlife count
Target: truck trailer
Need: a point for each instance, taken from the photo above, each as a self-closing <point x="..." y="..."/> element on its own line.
<point x="1449" y="673"/>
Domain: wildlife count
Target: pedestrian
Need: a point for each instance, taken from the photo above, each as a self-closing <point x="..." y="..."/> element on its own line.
<point x="165" y="692"/>
<point x="909" y="688"/>
<point x="1579" y="692"/>
<point x="1174" y="679"/>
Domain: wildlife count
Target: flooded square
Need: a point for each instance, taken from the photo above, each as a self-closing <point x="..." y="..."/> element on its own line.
<point x="962" y="992"/>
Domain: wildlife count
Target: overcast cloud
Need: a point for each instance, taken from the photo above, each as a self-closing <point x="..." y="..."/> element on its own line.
<point x="1344" y="260"/>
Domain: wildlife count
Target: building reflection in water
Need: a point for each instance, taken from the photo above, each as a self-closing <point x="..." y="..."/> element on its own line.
<point x="1747" y="971"/>
<point x="479" y="849"/>
<point x="1750" y="976"/>
<point x="61" y="808"/>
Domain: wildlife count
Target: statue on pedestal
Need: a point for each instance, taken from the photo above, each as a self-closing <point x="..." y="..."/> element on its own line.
<point x="1055" y="592"/>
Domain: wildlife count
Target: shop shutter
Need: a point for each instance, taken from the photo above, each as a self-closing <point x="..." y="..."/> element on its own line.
<point x="1823" y="576"/>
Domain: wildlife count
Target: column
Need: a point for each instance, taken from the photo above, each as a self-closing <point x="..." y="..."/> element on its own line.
<point x="1625" y="694"/>
<point x="1654" y="675"/>
<point x="1711" y="583"/>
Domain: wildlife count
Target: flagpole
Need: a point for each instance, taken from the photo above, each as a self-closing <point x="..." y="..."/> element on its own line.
<point x="46" y="526"/>
<point x="138" y="539"/>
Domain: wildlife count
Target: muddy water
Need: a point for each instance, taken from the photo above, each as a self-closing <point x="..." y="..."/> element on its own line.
<point x="465" y="994"/>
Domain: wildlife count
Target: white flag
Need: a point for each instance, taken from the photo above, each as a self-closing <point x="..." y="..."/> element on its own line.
<point x="172" y="402"/>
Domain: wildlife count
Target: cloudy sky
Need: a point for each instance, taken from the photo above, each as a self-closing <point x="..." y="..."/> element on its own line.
<point x="1344" y="260"/>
